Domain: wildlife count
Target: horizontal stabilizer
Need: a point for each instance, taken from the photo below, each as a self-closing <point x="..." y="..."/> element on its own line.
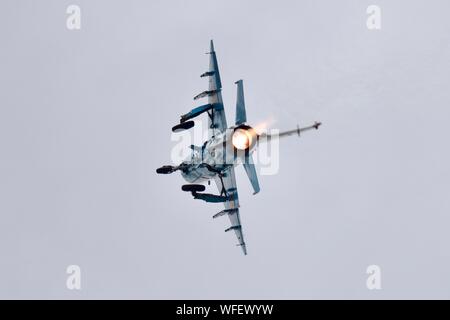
<point x="250" y="169"/>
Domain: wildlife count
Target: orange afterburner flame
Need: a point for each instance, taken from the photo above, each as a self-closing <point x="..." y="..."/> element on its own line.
<point x="241" y="139"/>
<point x="263" y="126"/>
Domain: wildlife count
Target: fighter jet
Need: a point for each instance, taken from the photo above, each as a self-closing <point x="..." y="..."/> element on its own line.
<point x="225" y="148"/>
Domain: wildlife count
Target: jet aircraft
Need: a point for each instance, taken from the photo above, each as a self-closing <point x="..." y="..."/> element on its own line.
<point x="225" y="148"/>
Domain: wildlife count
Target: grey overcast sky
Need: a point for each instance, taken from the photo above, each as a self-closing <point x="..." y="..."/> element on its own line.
<point x="85" y="120"/>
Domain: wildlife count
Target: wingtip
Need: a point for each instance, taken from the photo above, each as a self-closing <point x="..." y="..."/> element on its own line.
<point x="211" y="45"/>
<point x="244" y="248"/>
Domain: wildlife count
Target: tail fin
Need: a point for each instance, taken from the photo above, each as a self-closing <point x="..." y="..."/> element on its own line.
<point x="250" y="169"/>
<point x="241" y="116"/>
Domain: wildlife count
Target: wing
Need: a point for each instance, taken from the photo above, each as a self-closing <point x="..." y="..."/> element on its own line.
<point x="217" y="118"/>
<point x="227" y="184"/>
